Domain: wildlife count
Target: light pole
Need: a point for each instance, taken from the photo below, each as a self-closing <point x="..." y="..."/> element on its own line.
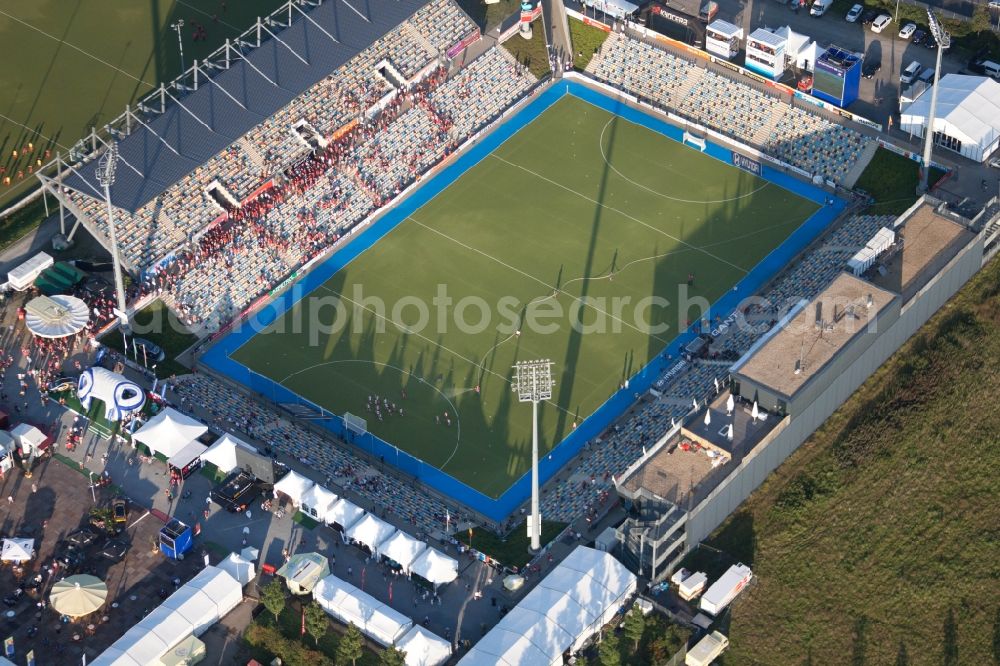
<point x="533" y="383"/>
<point x="944" y="41"/>
<point x="106" y="177"/>
<point x="178" y="25"/>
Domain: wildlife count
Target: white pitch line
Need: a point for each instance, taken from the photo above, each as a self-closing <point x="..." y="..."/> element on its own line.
<point x="620" y="212"/>
<point x="600" y="144"/>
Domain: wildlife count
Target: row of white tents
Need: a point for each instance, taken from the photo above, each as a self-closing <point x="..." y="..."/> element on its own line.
<point x="183" y="616"/>
<point x="566" y="608"/>
<point x="380" y="622"/>
<point x="413" y="555"/>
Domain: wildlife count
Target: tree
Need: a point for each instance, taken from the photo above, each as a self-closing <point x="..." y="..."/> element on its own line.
<point x="351" y="647"/>
<point x="317" y="623"/>
<point x="607" y="652"/>
<point x="634" y="626"/>
<point x="392" y="657"/>
<point x="273" y="597"/>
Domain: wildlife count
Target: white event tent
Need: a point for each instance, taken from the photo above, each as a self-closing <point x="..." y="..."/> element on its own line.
<point x="568" y="606"/>
<point x="169" y="431"/>
<point x="189" y="611"/>
<point x="317" y="502"/>
<point x="344" y="513"/>
<point x="424" y="648"/>
<point x="370" y="531"/>
<point x="17" y="550"/>
<point x="350" y="605"/>
<point x="435" y="567"/>
<point x="294" y="486"/>
<point x="222" y="453"/>
<point x="402" y="549"/>
<point x="967" y="117"/>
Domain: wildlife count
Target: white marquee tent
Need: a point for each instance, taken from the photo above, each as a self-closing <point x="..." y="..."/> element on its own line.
<point x="317" y="502"/>
<point x="294" y="486"/>
<point x="222" y="453"/>
<point x="435" y="567"/>
<point x="239" y="567"/>
<point x="17" y="550"/>
<point x="968" y="115"/>
<point x="119" y="395"/>
<point x="169" y="431"/>
<point x="344" y="513"/>
<point x="191" y="610"/>
<point x="568" y="606"/>
<point x="350" y="605"/>
<point x="424" y="648"/>
<point x="402" y="549"/>
<point x="370" y="531"/>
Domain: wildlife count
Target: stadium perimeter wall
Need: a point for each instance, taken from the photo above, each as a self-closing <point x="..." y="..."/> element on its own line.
<point x="762" y="461"/>
<point x="217" y="357"/>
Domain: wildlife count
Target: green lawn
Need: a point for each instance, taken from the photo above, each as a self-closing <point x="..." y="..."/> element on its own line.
<point x="892" y="180"/>
<point x="545" y="238"/>
<point x="878" y="537"/>
<point x="511" y="551"/>
<point x="531" y="53"/>
<point x="156" y="324"/>
<point x="69" y="66"/>
<point x="586" y="41"/>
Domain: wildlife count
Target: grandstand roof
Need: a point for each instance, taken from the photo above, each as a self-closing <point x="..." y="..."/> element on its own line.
<point x="355" y="24"/>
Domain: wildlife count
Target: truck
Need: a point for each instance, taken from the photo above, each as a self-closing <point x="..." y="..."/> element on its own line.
<point x="723" y="591"/>
<point x="692" y="586"/>
<point x="819" y="7"/>
<point x="706" y="650"/>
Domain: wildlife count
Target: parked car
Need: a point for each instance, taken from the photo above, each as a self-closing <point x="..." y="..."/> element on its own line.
<point x="909" y="75"/>
<point x="995" y="162"/>
<point x="855" y="13"/>
<point x="61" y="383"/>
<point x="869" y="16"/>
<point x="880" y="23"/>
<point x="153" y="351"/>
<point x="114" y="550"/>
<point x="930" y="43"/>
<point x="907" y="30"/>
<point x="918" y="37"/>
<point x="871" y="68"/>
<point x="119" y="510"/>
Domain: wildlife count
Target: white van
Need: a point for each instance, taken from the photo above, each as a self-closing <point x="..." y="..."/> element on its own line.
<point x="991" y="68"/>
<point x="819" y="7"/>
<point x="909" y="74"/>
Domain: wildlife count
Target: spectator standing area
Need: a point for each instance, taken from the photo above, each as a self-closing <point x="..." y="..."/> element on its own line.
<point x="575" y="202"/>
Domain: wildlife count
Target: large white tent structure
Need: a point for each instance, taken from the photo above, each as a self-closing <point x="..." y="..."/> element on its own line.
<point x="370" y="531"/>
<point x="294" y="486"/>
<point x="344" y="513"/>
<point x="967" y="120"/>
<point x="119" y="395"/>
<point x="567" y="607"/>
<point x="169" y="431"/>
<point x="222" y="453"/>
<point x="350" y="605"/>
<point x="317" y="502"/>
<point x="435" y="567"/>
<point x="402" y="549"/>
<point x="189" y="611"/>
<point x="423" y="648"/>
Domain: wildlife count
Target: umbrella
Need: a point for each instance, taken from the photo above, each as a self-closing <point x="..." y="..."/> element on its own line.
<point x="18" y="550"/>
<point x="79" y="595"/>
<point x="754" y="413"/>
<point x="729" y="433"/>
<point x="708" y="417"/>
<point x="730" y="404"/>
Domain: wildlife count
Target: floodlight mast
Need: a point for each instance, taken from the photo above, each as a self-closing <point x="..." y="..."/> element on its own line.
<point x="943" y="40"/>
<point x="106" y="169"/>
<point x="533" y="383"/>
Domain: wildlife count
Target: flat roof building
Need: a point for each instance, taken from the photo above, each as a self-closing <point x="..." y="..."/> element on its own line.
<point x="782" y="371"/>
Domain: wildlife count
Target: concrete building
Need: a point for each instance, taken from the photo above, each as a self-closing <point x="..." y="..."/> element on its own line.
<point x="799" y="372"/>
